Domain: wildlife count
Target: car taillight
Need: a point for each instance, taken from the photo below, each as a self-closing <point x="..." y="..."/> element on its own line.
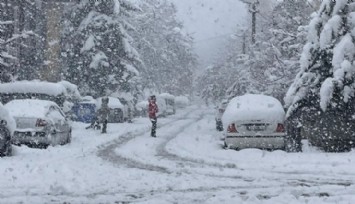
<point x="41" y="123"/>
<point x="232" y="128"/>
<point x="221" y="110"/>
<point x="280" y="128"/>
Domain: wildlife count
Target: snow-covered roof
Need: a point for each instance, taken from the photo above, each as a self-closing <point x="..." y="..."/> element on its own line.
<point x="112" y="103"/>
<point x="40" y="87"/>
<point x="4" y="115"/>
<point x="88" y="99"/>
<point x="253" y="107"/>
<point x="167" y="96"/>
<point x="29" y="107"/>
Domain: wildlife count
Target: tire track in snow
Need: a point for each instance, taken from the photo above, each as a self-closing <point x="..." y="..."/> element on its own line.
<point x="107" y="151"/>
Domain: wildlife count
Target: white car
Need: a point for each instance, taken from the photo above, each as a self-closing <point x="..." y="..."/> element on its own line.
<point x="254" y="121"/>
<point x="39" y="123"/>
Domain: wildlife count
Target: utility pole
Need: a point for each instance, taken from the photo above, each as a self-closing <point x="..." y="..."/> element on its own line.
<point x="253" y="10"/>
<point x="244" y="39"/>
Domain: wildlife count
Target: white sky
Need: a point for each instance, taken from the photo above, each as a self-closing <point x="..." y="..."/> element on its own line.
<point x="210" y="22"/>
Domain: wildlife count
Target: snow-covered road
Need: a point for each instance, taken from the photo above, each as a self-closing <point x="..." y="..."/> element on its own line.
<point x="184" y="164"/>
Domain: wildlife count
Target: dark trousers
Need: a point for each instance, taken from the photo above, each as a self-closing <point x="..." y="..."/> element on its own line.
<point x="104" y="126"/>
<point x="154" y="127"/>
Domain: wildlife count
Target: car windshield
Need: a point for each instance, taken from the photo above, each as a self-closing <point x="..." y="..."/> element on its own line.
<point x="177" y="101"/>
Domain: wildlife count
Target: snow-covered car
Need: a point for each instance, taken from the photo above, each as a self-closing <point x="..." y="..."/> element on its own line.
<point x="162" y="107"/>
<point x="169" y="103"/>
<point x="39" y="123"/>
<point x="7" y="127"/>
<point x="219" y="113"/>
<point x="254" y="121"/>
<point x="181" y="101"/>
<point x="84" y="110"/>
<point x="118" y="112"/>
<point x="142" y="109"/>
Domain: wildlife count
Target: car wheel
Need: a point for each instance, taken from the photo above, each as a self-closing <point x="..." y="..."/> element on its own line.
<point x="225" y="146"/>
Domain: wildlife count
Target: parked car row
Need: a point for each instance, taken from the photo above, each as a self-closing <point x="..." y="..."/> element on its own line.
<point x="86" y="109"/>
<point x="38" y="113"/>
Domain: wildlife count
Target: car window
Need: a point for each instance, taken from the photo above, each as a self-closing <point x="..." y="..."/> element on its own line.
<point x="60" y="111"/>
<point x="55" y="113"/>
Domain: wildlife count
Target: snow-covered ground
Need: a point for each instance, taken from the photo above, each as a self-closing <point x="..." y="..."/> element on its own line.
<point x="184" y="164"/>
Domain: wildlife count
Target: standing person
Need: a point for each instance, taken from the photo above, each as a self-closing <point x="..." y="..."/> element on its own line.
<point x="152" y="111"/>
<point x="103" y="113"/>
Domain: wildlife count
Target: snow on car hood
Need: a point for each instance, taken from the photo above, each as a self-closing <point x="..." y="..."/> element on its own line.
<point x="30" y="108"/>
<point x="253" y="107"/>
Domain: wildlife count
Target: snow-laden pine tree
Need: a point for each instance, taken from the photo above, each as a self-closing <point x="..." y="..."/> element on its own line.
<point x="322" y="94"/>
<point x="6" y="32"/>
<point x="17" y="52"/>
<point x="31" y="47"/>
<point x="165" y="48"/>
<point x="97" y="48"/>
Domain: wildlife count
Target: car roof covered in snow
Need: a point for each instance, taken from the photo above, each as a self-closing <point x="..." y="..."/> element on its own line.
<point x="88" y="100"/>
<point x="29" y="107"/>
<point x="167" y="96"/>
<point x="112" y="103"/>
<point x="40" y="87"/>
<point x="253" y="107"/>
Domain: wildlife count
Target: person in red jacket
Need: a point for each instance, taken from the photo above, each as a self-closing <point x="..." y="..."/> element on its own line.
<point x="152" y="112"/>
